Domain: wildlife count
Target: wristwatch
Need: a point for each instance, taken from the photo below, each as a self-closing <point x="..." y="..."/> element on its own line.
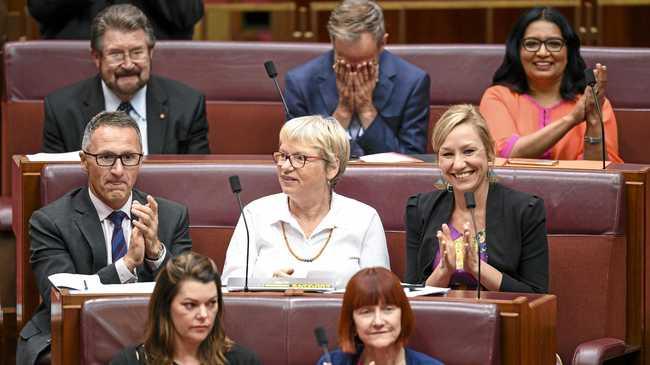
<point x="593" y="140"/>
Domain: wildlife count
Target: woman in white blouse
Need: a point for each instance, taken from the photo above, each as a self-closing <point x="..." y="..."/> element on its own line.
<point x="308" y="227"/>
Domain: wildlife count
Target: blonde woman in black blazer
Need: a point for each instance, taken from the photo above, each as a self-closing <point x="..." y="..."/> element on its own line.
<point x="511" y="225"/>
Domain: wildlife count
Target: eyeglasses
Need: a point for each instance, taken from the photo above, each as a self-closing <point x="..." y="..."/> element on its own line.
<point x="119" y="56"/>
<point x="534" y="44"/>
<point x="108" y="159"/>
<point x="297" y="160"/>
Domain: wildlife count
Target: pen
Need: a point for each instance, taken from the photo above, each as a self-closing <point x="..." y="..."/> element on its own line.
<point x="85" y="285"/>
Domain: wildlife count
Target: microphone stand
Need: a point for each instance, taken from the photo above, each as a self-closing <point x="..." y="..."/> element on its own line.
<point x="269" y="66"/>
<point x="590" y="79"/>
<point x="235" y="186"/>
<point x="248" y="243"/>
<point x="471" y="205"/>
<point x="602" y="125"/>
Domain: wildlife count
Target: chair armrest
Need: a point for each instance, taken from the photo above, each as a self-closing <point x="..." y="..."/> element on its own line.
<point x="5" y="214"/>
<point x="595" y="352"/>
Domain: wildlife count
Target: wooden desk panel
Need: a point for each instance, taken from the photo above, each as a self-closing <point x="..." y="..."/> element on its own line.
<point x="528" y="323"/>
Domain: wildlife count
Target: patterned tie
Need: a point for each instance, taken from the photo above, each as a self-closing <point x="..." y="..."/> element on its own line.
<point x="126" y="107"/>
<point x="355" y="129"/>
<point x="118" y="242"/>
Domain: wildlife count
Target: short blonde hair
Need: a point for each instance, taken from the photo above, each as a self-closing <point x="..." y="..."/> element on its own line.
<point x="351" y="18"/>
<point x="461" y="114"/>
<point x="323" y="133"/>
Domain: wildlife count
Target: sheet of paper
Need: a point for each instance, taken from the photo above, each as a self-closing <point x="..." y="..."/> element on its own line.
<point x="55" y="157"/>
<point x="75" y="281"/>
<point x="134" y="288"/>
<point x="388" y="157"/>
<point x="426" y="290"/>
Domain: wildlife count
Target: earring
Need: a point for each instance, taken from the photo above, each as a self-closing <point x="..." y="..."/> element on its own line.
<point x="442" y="184"/>
<point x="492" y="176"/>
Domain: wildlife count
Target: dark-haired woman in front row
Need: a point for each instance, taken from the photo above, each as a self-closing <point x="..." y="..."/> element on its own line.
<point x="185" y="319"/>
<point x="538" y="106"/>
<point x="375" y="322"/>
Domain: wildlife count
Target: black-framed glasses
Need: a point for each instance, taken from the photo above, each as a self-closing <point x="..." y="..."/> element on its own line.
<point x="296" y="160"/>
<point x="135" y="54"/>
<point x="108" y="159"/>
<point x="534" y="44"/>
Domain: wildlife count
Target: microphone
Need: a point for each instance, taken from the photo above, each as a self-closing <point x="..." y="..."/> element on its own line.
<point x="470" y="202"/>
<point x="235" y="186"/>
<point x="321" y="339"/>
<point x="590" y="79"/>
<point x="273" y="74"/>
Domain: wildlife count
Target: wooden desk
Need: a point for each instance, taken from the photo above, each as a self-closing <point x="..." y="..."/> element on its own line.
<point x="528" y="323"/>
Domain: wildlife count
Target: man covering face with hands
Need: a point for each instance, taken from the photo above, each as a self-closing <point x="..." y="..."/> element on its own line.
<point x="380" y="99"/>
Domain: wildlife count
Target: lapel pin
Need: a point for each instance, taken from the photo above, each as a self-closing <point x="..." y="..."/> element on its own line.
<point x="162" y="115"/>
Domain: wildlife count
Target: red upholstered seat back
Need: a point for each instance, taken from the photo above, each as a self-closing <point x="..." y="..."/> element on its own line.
<point x="243" y="107"/>
<point x="587" y="241"/>
<point x="281" y="329"/>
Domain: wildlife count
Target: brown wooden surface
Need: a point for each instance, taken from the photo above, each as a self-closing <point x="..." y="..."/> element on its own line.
<point x="598" y="22"/>
<point x="637" y="192"/>
<point x="527" y="323"/>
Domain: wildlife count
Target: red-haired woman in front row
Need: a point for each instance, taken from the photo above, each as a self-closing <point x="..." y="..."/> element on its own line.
<point x="375" y="323"/>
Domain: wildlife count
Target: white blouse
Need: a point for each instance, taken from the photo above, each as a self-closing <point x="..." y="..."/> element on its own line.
<point x="358" y="240"/>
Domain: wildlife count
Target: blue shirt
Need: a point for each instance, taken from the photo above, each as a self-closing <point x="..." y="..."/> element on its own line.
<point x="412" y="358"/>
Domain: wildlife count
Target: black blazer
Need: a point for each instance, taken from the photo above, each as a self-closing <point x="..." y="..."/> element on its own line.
<point x="176" y="121"/>
<point x="515" y="235"/>
<point x="66" y="236"/>
<point x="135" y="355"/>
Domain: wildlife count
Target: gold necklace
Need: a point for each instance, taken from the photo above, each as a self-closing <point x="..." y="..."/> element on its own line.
<point x="284" y="235"/>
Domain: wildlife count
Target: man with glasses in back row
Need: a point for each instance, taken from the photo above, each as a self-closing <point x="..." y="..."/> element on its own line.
<point x="171" y="115"/>
<point x="108" y="229"/>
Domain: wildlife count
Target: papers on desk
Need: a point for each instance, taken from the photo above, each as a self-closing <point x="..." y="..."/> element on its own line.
<point x="74" y="281"/>
<point x="388" y="157"/>
<point x="425" y="290"/>
<point x="90" y="284"/>
<point x="133" y="288"/>
<point x="55" y="157"/>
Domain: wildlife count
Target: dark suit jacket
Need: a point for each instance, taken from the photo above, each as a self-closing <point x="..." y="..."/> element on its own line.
<point x="176" y="122"/>
<point x="401" y="98"/>
<point x="515" y="236"/>
<point x="66" y="236"/>
<point x="236" y="356"/>
<point x="71" y="19"/>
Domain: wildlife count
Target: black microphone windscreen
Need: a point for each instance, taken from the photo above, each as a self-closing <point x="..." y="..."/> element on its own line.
<point x="235" y="186"/>
<point x="590" y="78"/>
<point x="469" y="200"/>
<point x="270" y="69"/>
<point x="321" y="336"/>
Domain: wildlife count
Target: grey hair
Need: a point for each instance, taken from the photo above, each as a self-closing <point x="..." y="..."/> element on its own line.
<point x="323" y="133"/>
<point x="351" y="18"/>
<point x="109" y="119"/>
<point x="122" y="17"/>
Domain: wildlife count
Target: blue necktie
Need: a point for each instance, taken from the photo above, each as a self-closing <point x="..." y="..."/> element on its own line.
<point x="118" y="242"/>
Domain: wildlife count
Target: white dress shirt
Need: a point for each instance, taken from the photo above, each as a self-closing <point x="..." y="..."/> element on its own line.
<point x="358" y="240"/>
<point x="103" y="211"/>
<point x="139" y="112"/>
